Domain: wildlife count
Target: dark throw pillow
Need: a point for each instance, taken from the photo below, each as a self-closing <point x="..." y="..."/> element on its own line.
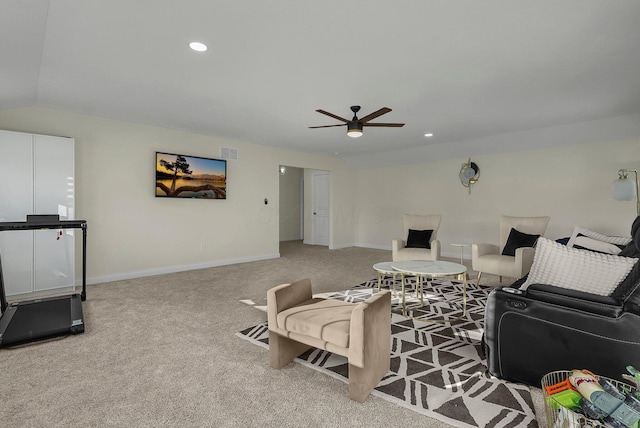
<point x="419" y="239"/>
<point x="633" y="248"/>
<point x="518" y="239"/>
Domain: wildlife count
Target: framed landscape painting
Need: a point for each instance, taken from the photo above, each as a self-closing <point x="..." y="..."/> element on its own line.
<point x="192" y="177"/>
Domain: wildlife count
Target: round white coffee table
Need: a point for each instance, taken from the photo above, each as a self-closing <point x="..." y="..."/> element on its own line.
<point x="385" y="269"/>
<point x="429" y="270"/>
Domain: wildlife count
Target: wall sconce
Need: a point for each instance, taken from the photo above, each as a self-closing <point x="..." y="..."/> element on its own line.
<point x="469" y="174"/>
<point x="283" y="170"/>
<point x="625" y="189"/>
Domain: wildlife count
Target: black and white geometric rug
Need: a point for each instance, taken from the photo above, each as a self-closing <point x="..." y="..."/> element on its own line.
<point x="437" y="369"/>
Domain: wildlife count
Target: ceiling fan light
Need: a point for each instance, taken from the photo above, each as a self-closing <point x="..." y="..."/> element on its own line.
<point x="354" y="129"/>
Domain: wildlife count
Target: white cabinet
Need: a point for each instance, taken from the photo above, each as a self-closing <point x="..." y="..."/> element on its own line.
<point x="36" y="177"/>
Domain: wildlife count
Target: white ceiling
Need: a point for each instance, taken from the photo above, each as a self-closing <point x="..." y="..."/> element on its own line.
<point x="469" y="71"/>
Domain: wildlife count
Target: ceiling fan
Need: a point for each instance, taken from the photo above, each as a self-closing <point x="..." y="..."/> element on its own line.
<point x="354" y="126"/>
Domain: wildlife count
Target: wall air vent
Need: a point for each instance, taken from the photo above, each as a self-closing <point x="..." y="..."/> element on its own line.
<point x="228" y="153"/>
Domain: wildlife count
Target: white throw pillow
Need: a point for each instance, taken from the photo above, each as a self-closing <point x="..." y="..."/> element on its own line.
<point x="586" y="243"/>
<point x="582" y="270"/>
<point x="578" y="230"/>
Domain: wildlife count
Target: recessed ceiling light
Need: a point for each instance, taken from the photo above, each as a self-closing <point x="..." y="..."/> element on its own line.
<point x="428" y="135"/>
<point x="198" y="47"/>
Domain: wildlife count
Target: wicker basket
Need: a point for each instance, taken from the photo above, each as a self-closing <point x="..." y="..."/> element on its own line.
<point x="559" y="416"/>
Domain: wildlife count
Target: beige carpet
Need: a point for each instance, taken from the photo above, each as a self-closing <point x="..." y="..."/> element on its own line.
<point x="162" y="352"/>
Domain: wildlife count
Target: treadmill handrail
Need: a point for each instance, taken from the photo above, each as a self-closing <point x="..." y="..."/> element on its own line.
<point x="35" y="225"/>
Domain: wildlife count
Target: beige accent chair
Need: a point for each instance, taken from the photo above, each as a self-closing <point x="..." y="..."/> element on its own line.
<point x="359" y="331"/>
<point x="399" y="251"/>
<point x="488" y="257"/>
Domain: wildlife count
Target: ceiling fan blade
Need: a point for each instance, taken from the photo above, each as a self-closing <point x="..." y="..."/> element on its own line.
<point x="333" y="115"/>
<point x="394" y="125"/>
<point x="375" y="114"/>
<point x="326" y="126"/>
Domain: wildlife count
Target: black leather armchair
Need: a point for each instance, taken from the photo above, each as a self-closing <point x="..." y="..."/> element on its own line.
<point x="547" y="328"/>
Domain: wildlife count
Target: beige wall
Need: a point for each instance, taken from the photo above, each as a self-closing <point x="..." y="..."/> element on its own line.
<point x="570" y="184"/>
<point x="132" y="233"/>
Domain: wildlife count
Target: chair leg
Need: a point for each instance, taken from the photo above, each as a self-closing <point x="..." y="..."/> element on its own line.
<point x="377" y="351"/>
<point x="283" y="350"/>
<point x="478" y="281"/>
<point x="363" y="380"/>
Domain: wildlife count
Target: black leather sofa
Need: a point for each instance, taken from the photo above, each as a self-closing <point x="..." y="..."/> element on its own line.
<point x="546" y="328"/>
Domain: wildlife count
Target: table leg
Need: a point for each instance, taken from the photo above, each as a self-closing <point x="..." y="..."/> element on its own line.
<point x="420" y="280"/>
<point x="379" y="279"/>
<point x="404" y="303"/>
<point x="394" y="285"/>
<point x="464" y="295"/>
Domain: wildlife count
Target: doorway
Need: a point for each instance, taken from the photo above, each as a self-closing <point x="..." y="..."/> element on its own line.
<point x="303" y="192"/>
<point x="291" y="208"/>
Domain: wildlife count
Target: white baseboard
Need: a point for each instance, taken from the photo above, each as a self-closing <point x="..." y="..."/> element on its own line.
<point x="291" y="238"/>
<point x="172" y="269"/>
<point x="374" y="246"/>
<point x="215" y="263"/>
<point x="337" y="247"/>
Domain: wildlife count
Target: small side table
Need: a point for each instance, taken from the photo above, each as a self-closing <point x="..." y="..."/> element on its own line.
<point x="462" y="247"/>
<point x="385" y="269"/>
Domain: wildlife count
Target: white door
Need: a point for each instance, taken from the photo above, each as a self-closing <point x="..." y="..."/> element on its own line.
<point x="320" y="185"/>
<point x="16" y="201"/>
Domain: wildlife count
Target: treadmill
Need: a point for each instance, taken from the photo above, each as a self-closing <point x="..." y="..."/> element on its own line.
<point x="48" y="317"/>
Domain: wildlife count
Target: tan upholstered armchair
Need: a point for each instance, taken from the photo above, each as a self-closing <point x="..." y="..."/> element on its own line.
<point x="359" y="331"/>
<point x="399" y="248"/>
<point x="514" y="256"/>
